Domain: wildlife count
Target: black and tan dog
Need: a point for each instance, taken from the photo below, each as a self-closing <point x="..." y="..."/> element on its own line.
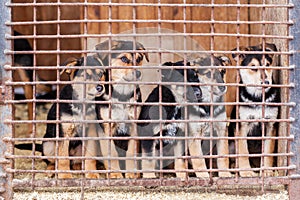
<point x="170" y="94"/>
<point x="85" y="86"/>
<point x="213" y="90"/>
<point x="118" y="105"/>
<point x="177" y="94"/>
<point x="258" y="89"/>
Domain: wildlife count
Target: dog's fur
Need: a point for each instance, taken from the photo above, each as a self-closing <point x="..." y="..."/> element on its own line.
<point x="71" y="112"/>
<point x="123" y="94"/>
<point x="260" y="84"/>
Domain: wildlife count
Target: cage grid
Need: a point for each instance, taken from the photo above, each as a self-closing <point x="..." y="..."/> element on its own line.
<point x="59" y="31"/>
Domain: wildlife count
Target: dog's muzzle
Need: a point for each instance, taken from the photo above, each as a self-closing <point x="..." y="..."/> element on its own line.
<point x="197" y="93"/>
<point x="138" y="74"/>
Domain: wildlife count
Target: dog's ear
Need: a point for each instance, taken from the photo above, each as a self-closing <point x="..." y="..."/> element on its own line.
<point x="139" y="46"/>
<point x="268" y="47"/>
<point x="71" y="62"/>
<point x="224" y="60"/>
<point x="166" y="74"/>
<point x="240" y="56"/>
<point x="105" y="46"/>
<point x="271" y="47"/>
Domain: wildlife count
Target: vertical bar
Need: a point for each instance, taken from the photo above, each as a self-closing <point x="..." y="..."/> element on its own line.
<point x="6" y="110"/>
<point x="294" y="14"/>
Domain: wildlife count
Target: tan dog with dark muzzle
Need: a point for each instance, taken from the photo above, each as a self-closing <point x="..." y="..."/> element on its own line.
<point x="118" y="105"/>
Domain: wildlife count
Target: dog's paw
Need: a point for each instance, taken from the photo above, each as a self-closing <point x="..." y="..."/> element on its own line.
<point x="115" y="175"/>
<point x="225" y="174"/>
<point x="202" y="174"/>
<point x="268" y="173"/>
<point x="181" y="175"/>
<point x="64" y="176"/>
<point x="92" y="176"/>
<point x="149" y="175"/>
<point x="248" y="174"/>
<point x="132" y="175"/>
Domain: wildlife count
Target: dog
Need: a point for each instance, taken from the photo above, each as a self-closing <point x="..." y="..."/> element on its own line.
<point x="258" y="89"/>
<point x="170" y="94"/>
<point x="71" y="112"/>
<point x="214" y="90"/>
<point x="118" y="103"/>
<point x="175" y="94"/>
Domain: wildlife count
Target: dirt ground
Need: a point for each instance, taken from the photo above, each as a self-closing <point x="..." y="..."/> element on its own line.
<point x="119" y="192"/>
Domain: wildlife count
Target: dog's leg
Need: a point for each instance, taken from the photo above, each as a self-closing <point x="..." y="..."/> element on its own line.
<point x="243" y="149"/>
<point x="28" y="92"/>
<point x="179" y="163"/>
<point x="148" y="164"/>
<point x="198" y="163"/>
<point x="63" y="150"/>
<point x="108" y="149"/>
<point x="269" y="147"/>
<point x="91" y="151"/>
<point x="222" y="148"/>
<point x="131" y="164"/>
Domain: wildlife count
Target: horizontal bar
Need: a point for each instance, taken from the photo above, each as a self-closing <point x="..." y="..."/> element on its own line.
<point x="188" y="182"/>
<point x="237" y="5"/>
<point x="138" y="158"/>
<point x="14" y="23"/>
<point x="6" y="139"/>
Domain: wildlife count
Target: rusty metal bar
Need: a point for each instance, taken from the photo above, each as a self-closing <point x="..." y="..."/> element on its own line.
<point x="6" y="110"/>
<point x="294" y="185"/>
<point x="21" y="184"/>
<point x="153" y="4"/>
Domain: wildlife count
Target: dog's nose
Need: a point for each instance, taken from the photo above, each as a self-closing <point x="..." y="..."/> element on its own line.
<point x="138" y="74"/>
<point x="266" y="82"/>
<point x="197" y="92"/>
<point x="222" y="88"/>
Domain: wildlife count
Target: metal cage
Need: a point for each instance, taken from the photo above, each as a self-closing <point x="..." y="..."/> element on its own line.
<point x="59" y="32"/>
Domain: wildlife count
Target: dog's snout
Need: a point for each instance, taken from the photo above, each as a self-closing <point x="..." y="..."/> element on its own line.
<point x="138" y="74"/>
<point x="267" y="82"/>
<point x="222" y="88"/>
<point x="197" y="92"/>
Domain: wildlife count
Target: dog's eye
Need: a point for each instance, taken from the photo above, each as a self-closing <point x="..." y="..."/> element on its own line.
<point x="138" y="60"/>
<point x="124" y="59"/>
